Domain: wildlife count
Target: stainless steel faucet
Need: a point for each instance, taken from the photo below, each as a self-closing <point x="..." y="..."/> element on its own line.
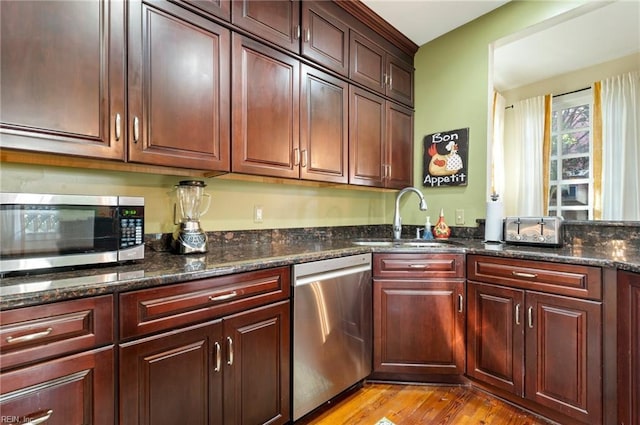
<point x="397" y="220"/>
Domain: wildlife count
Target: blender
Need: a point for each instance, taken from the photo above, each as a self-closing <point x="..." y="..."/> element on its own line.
<point x="189" y="237"/>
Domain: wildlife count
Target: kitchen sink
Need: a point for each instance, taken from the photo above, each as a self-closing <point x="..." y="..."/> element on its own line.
<point x="413" y="243"/>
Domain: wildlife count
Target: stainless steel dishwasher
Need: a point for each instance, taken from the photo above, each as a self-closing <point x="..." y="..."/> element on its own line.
<point x="332" y="329"/>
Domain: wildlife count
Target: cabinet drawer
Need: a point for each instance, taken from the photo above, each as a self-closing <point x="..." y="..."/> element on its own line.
<point x="418" y="265"/>
<point x="563" y="279"/>
<point x="35" y="333"/>
<point x="157" y="309"/>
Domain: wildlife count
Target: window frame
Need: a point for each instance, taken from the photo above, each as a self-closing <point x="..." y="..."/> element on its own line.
<point x="574" y="99"/>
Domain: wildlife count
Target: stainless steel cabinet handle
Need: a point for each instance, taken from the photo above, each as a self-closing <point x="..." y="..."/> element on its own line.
<point x="41" y="419"/>
<point x="518" y="314"/>
<point x="297" y="32"/>
<point x="230" y="353"/>
<point x="530" y="317"/>
<point x="218" y="356"/>
<point x="389" y="171"/>
<point x="523" y="274"/>
<point x="418" y="266"/>
<point x="29" y="337"/>
<point x="118" y="123"/>
<point x="296" y="156"/>
<point x="307" y="35"/>
<point x="223" y="296"/>
<point x="304" y="158"/>
<point x="136" y="129"/>
<point x="460" y="303"/>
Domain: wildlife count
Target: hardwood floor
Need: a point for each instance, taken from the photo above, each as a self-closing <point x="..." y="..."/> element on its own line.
<point x="422" y="405"/>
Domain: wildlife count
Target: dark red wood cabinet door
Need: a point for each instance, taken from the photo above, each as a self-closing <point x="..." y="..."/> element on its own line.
<point x="399" y="149"/>
<point x="325" y="35"/>
<point x="400" y="80"/>
<point x="265" y="110"/>
<point x="418" y="327"/>
<point x="178" y="88"/>
<point x="276" y="21"/>
<point x="77" y="389"/>
<point x="62" y="77"/>
<point x="367" y="62"/>
<point x="366" y="138"/>
<point x="324" y="125"/>
<point x="173" y="378"/>
<point x="495" y="336"/>
<point x="564" y="355"/>
<point x="257" y="366"/>
<point x="628" y="348"/>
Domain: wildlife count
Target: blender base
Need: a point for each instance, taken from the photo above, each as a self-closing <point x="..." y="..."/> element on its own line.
<point x="189" y="242"/>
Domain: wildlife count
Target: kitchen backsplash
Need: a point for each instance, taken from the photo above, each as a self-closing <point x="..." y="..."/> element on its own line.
<point x="576" y="233"/>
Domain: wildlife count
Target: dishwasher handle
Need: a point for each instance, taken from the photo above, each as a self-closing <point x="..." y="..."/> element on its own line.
<point x="331" y="274"/>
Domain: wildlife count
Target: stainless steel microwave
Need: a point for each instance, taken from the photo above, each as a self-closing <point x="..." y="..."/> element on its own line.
<point x="43" y="231"/>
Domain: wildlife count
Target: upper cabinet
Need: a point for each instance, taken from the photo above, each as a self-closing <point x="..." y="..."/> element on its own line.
<point x="380" y="141"/>
<point x="203" y="87"/>
<point x="178" y="88"/>
<point x="380" y="70"/>
<point x="265" y="102"/>
<point x="325" y="35"/>
<point x="62" y="77"/>
<point x="275" y="21"/>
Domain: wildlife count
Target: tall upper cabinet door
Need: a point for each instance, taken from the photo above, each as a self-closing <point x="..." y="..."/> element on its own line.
<point x="62" y="77"/>
<point x="366" y="138"/>
<point x="178" y="88"/>
<point x="276" y="21"/>
<point x="325" y="35"/>
<point x="399" y="158"/>
<point x="324" y="123"/>
<point x="265" y="110"/>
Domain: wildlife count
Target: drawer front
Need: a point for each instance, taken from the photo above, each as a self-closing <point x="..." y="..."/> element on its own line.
<point x="562" y="279"/>
<point x="35" y="333"/>
<point x="418" y="265"/>
<point x="158" y="309"/>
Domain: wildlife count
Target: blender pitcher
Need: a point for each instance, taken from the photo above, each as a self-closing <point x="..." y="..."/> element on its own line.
<point x="189" y="237"/>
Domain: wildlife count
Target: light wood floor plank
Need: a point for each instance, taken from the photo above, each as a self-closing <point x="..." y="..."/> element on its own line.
<point x="405" y="404"/>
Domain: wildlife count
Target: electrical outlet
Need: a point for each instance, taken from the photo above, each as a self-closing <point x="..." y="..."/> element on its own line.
<point x="257" y="214"/>
<point x="459" y="217"/>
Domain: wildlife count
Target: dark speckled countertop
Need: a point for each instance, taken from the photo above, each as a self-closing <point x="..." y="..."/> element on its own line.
<point x="161" y="268"/>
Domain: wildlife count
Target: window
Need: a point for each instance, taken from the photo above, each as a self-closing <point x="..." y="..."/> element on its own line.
<point x="571" y="165"/>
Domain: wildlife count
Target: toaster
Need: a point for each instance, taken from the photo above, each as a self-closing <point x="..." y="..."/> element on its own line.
<point x="546" y="231"/>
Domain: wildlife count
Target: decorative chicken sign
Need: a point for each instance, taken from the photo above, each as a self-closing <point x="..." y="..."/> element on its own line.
<point x="445" y="158"/>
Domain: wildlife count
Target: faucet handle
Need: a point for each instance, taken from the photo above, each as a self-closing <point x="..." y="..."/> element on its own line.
<point x="418" y="230"/>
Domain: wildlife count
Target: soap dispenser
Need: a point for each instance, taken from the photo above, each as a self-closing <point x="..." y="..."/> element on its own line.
<point x="427" y="230"/>
<point x="441" y="230"/>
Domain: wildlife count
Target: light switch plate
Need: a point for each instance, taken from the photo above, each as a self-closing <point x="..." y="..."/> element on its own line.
<point x="459" y="217"/>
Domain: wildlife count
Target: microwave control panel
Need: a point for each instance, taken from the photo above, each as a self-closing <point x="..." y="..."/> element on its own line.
<point x="131" y="226"/>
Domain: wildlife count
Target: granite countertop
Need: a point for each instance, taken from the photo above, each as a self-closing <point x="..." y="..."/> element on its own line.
<point x="161" y="268"/>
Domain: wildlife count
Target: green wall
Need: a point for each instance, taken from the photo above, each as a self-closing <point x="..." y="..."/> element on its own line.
<point x="451" y="92"/>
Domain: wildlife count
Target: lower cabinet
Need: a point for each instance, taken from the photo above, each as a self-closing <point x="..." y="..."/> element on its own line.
<point x="544" y="348"/>
<point x="419" y="316"/>
<point x="628" y="348"/>
<point x="234" y="370"/>
<point x="76" y="389"/>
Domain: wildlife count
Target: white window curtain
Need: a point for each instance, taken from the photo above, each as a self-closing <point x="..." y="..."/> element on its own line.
<point x="529" y="126"/>
<point x="497" y="146"/>
<point x="620" y="147"/>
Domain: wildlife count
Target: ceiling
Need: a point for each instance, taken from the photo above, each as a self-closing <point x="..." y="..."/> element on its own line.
<point x="613" y="32"/>
<point x="424" y="20"/>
